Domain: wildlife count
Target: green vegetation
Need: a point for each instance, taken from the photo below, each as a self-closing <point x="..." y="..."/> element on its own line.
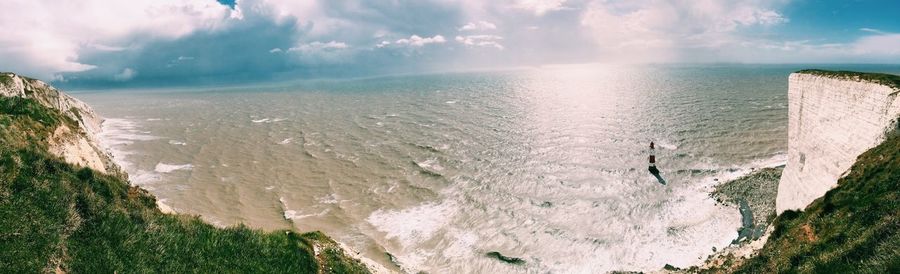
<point x="890" y="80"/>
<point x="59" y="217"/>
<point x="854" y="228"/>
<point x="25" y="123"/>
<point x="5" y="78"/>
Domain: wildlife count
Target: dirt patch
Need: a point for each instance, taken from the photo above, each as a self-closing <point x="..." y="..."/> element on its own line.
<point x="808" y="233"/>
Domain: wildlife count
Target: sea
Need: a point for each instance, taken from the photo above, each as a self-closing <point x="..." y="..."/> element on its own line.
<point x="431" y="172"/>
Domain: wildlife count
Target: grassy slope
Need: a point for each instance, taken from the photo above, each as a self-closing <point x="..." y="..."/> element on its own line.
<point x="854" y="228"/>
<point x="53" y="214"/>
<point x="879" y="78"/>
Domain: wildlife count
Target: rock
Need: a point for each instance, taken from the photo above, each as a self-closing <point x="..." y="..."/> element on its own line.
<point x="509" y="260"/>
<point x="754" y="195"/>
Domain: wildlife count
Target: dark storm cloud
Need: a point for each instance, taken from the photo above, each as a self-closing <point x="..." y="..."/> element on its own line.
<point x="237" y="54"/>
<point x="261" y="47"/>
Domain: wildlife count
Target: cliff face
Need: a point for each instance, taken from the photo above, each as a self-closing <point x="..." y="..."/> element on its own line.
<point x="853" y="228"/>
<point x="833" y="118"/>
<point x="78" y="146"/>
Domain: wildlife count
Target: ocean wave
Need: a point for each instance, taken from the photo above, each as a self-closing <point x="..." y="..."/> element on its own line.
<point x="116" y="131"/>
<point x="292" y="214"/>
<point x="268" y="120"/>
<point x="143" y="177"/>
<point x="432" y="148"/>
<point x="666" y="145"/>
<point x="730" y="173"/>
<point x="115" y="137"/>
<point x="166" y="168"/>
<point x="328" y="199"/>
<point x="286" y="141"/>
<point x="411" y="226"/>
<point x="431" y="167"/>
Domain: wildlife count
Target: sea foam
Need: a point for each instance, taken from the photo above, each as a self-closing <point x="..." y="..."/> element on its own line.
<point x="416" y="224"/>
<point x="166" y="168"/>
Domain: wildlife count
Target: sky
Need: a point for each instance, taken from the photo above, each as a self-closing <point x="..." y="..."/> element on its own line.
<point x="100" y="43"/>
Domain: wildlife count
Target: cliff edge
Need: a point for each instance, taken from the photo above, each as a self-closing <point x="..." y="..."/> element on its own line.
<point x="77" y="143"/>
<point x="66" y="207"/>
<point x="834" y="116"/>
<point x="843" y="172"/>
<point x="853" y="228"/>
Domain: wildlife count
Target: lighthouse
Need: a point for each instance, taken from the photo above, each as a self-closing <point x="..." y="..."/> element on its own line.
<point x="653" y="170"/>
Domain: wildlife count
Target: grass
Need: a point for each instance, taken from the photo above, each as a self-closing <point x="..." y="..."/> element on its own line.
<point x="26" y="123"/>
<point x="6" y="78"/>
<point x="890" y="80"/>
<point x="854" y="228"/>
<point x="54" y="215"/>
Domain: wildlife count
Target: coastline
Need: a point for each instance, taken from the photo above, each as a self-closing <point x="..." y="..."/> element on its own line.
<point x="115" y="155"/>
<point x="72" y="208"/>
<point x="754" y="196"/>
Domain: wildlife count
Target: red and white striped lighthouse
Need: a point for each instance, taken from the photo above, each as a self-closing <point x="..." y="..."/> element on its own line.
<point x="652" y="155"/>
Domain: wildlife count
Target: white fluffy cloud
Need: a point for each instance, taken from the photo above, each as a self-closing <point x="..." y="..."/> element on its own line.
<point x="540" y="7"/>
<point x="43" y="37"/>
<point x="417" y="41"/>
<point x="481" y="41"/>
<point x="319" y="46"/>
<point x="480" y="25"/>
<point x="657" y="30"/>
<point x="318" y="53"/>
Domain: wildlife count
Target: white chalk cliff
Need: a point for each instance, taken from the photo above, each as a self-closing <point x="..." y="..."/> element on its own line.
<point x="832" y="120"/>
<point x="78" y="146"/>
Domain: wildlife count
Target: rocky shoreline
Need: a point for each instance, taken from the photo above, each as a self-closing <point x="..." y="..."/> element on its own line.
<point x="754" y="195"/>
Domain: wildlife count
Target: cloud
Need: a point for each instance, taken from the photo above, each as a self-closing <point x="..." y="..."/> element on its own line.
<point x="481" y="41"/>
<point x="480" y="25"/>
<point x="319" y="53"/>
<point x="44" y="37"/>
<point x="540" y="7"/>
<point x="322" y="53"/>
<point x="238" y="51"/>
<point x="417" y="41"/>
<point x="125" y="75"/>
<point x="876" y="48"/>
<point x="102" y="47"/>
<point x="872" y="30"/>
<point x="93" y="43"/>
<point x="661" y="30"/>
<point x="319" y="46"/>
<point x="882" y="44"/>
